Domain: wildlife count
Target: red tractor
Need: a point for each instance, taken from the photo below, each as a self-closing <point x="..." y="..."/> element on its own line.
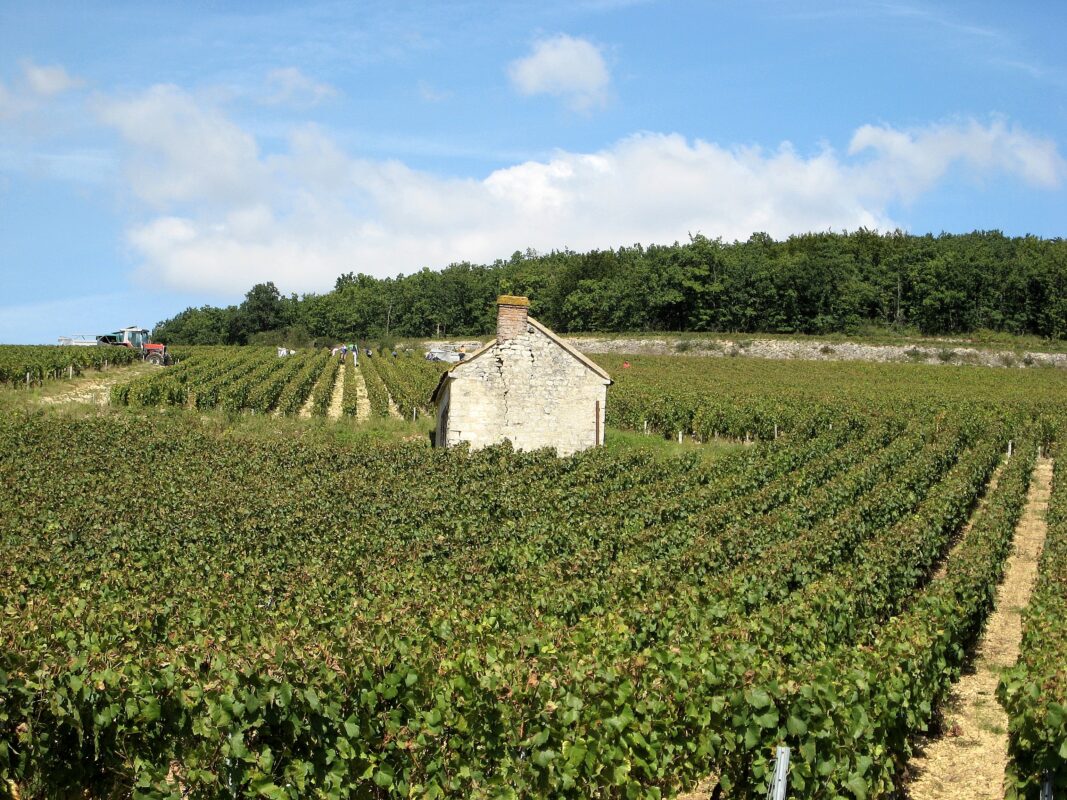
<point x="137" y="339"/>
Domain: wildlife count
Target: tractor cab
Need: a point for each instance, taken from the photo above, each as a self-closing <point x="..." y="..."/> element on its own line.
<point x="126" y="337"/>
<point x="137" y="339"/>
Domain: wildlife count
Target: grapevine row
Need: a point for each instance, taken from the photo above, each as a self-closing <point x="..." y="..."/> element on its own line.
<point x="377" y="394"/>
<point x="1034" y="691"/>
<point x="33" y="364"/>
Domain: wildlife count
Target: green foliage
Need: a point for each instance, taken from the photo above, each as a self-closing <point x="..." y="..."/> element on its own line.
<point x="47" y="362"/>
<point x="410" y="381"/>
<point x="815" y="283"/>
<point x="350" y="398"/>
<point x="1034" y="692"/>
<point x="263" y="311"/>
<point x="302" y="384"/>
<point x="322" y="393"/>
<point x="199" y="379"/>
<point x="264" y="396"/>
<point x="255" y="379"/>
<point x="377" y="393"/>
<point x="293" y="337"/>
<point x="235" y="379"/>
<point x="747" y="398"/>
<point x="286" y="616"/>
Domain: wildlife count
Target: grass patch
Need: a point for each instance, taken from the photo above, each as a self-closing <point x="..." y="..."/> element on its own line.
<point x="343" y="431"/>
<point x="383" y="429"/>
<point x="19" y="397"/>
<point x="619" y="440"/>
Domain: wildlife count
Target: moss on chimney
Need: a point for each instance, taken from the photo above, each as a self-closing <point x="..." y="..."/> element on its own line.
<point x="512" y="300"/>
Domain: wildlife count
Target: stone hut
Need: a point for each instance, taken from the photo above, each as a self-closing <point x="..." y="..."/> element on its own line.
<point x="527" y="386"/>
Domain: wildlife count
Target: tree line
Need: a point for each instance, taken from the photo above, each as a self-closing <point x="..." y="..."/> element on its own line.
<point x="813" y="283"/>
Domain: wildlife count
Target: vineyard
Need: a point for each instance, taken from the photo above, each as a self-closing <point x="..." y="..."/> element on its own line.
<point x="287" y="617"/>
<point x="1035" y="691"/>
<point x="256" y="380"/>
<point x="32" y="365"/>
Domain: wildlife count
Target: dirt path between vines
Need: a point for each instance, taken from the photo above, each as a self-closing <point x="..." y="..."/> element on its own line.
<point x="394" y="412"/>
<point x="362" y="398"/>
<point x="337" y="399"/>
<point x="95" y="388"/>
<point x="969" y="757"/>
<point x="702" y="791"/>
<point x="309" y="405"/>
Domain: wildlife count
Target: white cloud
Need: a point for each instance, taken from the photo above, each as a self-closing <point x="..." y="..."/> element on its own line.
<point x="182" y="151"/>
<point x="564" y="66"/>
<point x="290" y="86"/>
<point x="222" y="216"/>
<point x="39" y="116"/>
<point x="431" y="95"/>
<point x="49" y="80"/>
<point x="37" y="85"/>
<point x="919" y="158"/>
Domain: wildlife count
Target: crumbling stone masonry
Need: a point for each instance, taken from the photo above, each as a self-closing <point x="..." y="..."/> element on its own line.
<point x="528" y="386"/>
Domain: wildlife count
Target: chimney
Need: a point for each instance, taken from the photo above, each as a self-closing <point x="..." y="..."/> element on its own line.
<point x="511" y="316"/>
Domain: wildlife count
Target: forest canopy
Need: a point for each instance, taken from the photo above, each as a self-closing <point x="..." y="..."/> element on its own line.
<point x="813" y="283"/>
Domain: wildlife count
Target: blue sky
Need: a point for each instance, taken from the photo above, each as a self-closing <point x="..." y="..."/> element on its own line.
<point x="156" y="156"/>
